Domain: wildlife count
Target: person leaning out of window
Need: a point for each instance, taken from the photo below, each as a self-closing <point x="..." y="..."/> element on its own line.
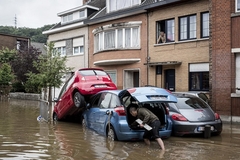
<point x="162" y="37"/>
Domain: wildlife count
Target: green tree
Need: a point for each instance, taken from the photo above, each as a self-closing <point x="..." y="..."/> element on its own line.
<point x="7" y="55"/>
<point x="51" y="68"/>
<point x="6" y="77"/>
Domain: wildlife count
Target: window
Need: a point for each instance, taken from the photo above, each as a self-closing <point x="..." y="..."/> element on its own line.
<point x="187" y="27"/>
<point x="238" y="71"/>
<point x="165" y="31"/>
<point x="199" y="81"/>
<point x="82" y="14"/>
<point x="204" y="25"/>
<point x="105" y="100"/>
<point x="67" y="18"/>
<point x="113" y="76"/>
<point x="109" y="39"/>
<point x="237" y="5"/>
<point x="114" y="5"/>
<point x="115" y="102"/>
<point x="60" y="47"/>
<point x="127" y="38"/>
<point x="199" y="77"/>
<point x="61" y="51"/>
<point x="78" y="46"/>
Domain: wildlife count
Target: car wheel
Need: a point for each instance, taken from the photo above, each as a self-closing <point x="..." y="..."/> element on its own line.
<point x="78" y="99"/>
<point x="55" y="117"/>
<point x="111" y="134"/>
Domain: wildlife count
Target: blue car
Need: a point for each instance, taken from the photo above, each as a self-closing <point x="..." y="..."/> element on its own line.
<point x="108" y="112"/>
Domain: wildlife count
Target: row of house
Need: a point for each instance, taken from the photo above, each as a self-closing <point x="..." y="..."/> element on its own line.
<point x="180" y="45"/>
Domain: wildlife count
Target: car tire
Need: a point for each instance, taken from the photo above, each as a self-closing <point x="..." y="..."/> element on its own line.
<point x="55" y="117"/>
<point x="78" y="99"/>
<point x="111" y="135"/>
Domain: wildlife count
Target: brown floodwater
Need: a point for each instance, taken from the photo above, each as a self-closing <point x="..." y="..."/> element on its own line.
<point x="23" y="137"/>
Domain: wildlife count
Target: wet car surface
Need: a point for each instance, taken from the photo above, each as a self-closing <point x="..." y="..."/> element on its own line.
<point x="108" y="113"/>
<point x="192" y="115"/>
<point x="23" y="137"/>
<point x="77" y="89"/>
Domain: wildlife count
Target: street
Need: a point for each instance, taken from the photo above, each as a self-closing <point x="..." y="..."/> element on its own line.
<point x="23" y="137"/>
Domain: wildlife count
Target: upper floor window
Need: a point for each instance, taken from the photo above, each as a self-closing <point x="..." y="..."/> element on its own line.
<point x="237" y="5"/>
<point x="165" y="31"/>
<point x="205" y="25"/>
<point x="117" y="38"/>
<point x="187" y="27"/>
<point x="78" y="46"/>
<point x="82" y="14"/>
<point x="67" y="18"/>
<point x="114" y="5"/>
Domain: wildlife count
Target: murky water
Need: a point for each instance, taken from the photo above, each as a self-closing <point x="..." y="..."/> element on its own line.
<point x="23" y="137"/>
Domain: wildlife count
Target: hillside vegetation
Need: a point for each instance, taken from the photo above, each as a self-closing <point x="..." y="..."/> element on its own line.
<point x="34" y="34"/>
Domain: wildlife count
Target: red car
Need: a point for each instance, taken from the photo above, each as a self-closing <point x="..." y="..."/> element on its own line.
<point x="77" y="90"/>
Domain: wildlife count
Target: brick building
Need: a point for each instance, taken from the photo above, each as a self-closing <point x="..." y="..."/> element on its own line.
<point x="225" y="57"/>
<point x="13" y="42"/>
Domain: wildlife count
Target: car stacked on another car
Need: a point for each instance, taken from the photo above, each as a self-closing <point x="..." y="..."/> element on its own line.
<point x="108" y="112"/>
<point x="191" y="115"/>
<point x="78" y="88"/>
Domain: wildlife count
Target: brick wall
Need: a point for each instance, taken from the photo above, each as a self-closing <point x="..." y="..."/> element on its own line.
<point x="220" y="55"/>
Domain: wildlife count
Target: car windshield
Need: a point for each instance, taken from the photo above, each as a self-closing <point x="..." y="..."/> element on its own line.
<point x="190" y="103"/>
<point x="92" y="72"/>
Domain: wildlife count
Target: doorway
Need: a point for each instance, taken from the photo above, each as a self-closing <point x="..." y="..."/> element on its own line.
<point x="131" y="78"/>
<point x="170" y="79"/>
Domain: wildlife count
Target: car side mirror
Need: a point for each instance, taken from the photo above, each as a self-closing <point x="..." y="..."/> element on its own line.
<point x="55" y="99"/>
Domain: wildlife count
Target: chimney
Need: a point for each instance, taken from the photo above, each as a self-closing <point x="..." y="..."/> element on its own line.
<point x="84" y="2"/>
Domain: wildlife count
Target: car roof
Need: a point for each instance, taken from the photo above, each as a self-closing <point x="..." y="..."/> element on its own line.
<point x="149" y="94"/>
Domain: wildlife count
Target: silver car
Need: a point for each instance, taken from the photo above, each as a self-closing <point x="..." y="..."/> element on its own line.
<point x="191" y="115"/>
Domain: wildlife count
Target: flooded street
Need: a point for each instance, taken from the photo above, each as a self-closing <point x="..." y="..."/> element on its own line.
<point x="23" y="137"/>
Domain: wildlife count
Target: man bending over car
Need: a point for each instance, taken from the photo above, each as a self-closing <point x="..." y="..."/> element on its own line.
<point x="150" y="119"/>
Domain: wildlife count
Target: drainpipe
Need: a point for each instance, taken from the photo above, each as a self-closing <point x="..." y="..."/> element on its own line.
<point x="148" y="58"/>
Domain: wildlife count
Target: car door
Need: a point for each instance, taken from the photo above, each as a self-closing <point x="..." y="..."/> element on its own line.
<point x="101" y="115"/>
<point x="91" y="112"/>
<point x="64" y="98"/>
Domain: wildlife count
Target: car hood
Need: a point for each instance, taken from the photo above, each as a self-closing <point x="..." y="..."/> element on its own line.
<point x="149" y="94"/>
<point x="196" y="115"/>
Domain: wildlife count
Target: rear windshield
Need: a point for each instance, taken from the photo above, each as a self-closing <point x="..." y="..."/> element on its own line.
<point x="92" y="73"/>
<point x="190" y="103"/>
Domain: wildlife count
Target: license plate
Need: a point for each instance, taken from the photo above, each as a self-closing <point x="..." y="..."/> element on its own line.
<point x="201" y="129"/>
<point x="158" y="98"/>
<point x="100" y="86"/>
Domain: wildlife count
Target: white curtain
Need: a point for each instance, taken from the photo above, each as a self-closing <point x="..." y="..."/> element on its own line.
<point x="109" y="39"/>
<point x="170" y="30"/>
<point x="127" y="37"/>
<point x="135" y="37"/>
<point x="120" y="38"/>
<point x="205" y="21"/>
<point x="183" y="23"/>
<point x="193" y="27"/>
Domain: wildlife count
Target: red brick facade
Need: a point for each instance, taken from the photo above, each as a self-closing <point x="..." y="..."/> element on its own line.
<point x="223" y="37"/>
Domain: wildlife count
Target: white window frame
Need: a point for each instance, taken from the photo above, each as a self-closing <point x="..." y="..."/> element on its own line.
<point x="60" y="46"/>
<point x="82" y="12"/>
<point x="78" y="43"/>
<point x="134" y="36"/>
<point x="67" y="18"/>
<point x="237" y="5"/>
<point x="115" y="5"/>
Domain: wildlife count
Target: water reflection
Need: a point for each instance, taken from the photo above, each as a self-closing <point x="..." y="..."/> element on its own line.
<point x="23" y="137"/>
